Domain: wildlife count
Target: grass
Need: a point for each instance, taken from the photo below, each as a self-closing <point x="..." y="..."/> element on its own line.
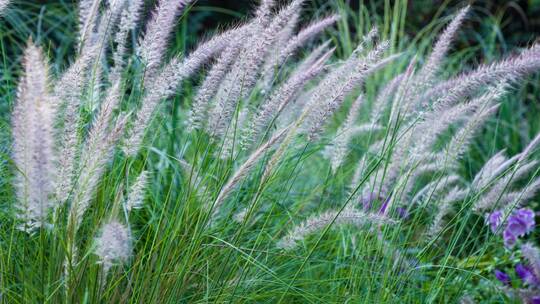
<point x="179" y="259"/>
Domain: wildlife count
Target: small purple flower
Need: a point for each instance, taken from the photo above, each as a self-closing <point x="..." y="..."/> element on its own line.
<point x="495" y="219"/>
<point x="384" y="206"/>
<point x="402" y="213"/>
<point x="509" y="238"/>
<point x="503" y="277"/>
<point x="368" y="199"/>
<point x="521" y="222"/>
<point x="526" y="274"/>
<point x="535" y="300"/>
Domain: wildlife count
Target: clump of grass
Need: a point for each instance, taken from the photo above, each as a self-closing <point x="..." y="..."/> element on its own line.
<point x="89" y="194"/>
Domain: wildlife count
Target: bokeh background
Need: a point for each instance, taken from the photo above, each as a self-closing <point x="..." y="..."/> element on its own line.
<point x="518" y="21"/>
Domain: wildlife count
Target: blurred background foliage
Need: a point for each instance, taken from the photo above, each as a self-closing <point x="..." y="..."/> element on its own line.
<point x="518" y="22"/>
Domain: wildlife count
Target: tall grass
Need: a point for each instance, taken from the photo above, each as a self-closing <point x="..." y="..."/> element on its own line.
<point x="265" y="164"/>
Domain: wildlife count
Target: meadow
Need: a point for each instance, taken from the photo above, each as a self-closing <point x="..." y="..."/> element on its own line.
<point x="301" y="152"/>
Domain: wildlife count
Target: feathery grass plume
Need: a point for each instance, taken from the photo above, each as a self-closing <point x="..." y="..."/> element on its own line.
<point x="240" y="216"/>
<point x="98" y="38"/>
<point x="87" y="182"/>
<point x="384" y="97"/>
<point x="461" y="140"/>
<point x="179" y="68"/>
<point x="383" y="178"/>
<point x="399" y="105"/>
<point x="508" y="70"/>
<point x="434" y="62"/>
<point x="348" y="216"/>
<point x="128" y="22"/>
<point x="98" y="147"/>
<point x="244" y="169"/>
<point x="294" y="43"/>
<point x="287" y="32"/>
<point x="88" y="15"/>
<point x="3" y="5"/>
<point x="339" y="147"/>
<point x="230" y="146"/>
<point x="489" y="171"/>
<point x="416" y="148"/>
<point x="434" y="123"/>
<point x="456" y="194"/>
<point x="335" y="80"/>
<point x="304" y="35"/>
<point x="427" y="74"/>
<point x="444" y="208"/>
<point x="92" y="171"/>
<point x="325" y="91"/>
<point x="518" y="198"/>
<point x="32" y="123"/>
<point x="313" y="57"/>
<point x="154" y="43"/>
<point x="294" y="127"/>
<point x="491" y="199"/>
<point x="239" y="83"/>
<point x="283" y="38"/>
<point x="295" y="108"/>
<point x="109" y="20"/>
<point x="136" y="192"/>
<point x="530" y="147"/>
<point x="322" y="108"/>
<point x="199" y="108"/>
<point x="68" y="93"/>
<point x="97" y="136"/>
<point x="341" y="73"/>
<point x="264" y="12"/>
<point x="166" y="82"/>
<point x="287" y="92"/>
<point x="434" y="188"/>
<point x="305" y="66"/>
<point x="262" y="19"/>
<point x="113" y="245"/>
<point x="367" y="39"/>
<point x="415" y="169"/>
<point x="498" y="164"/>
<point x="445" y="202"/>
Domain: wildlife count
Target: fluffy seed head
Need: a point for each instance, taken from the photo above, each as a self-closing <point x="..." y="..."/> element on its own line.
<point x="113" y="245"/>
<point x="154" y="43"/>
<point x="317" y="222"/>
<point x="32" y="124"/>
<point x="136" y="193"/>
<point x="3" y="5"/>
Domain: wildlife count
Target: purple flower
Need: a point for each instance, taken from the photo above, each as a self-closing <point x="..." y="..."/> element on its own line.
<point x="402" y="213"/>
<point x="526" y="274"/>
<point x="384" y="206"/>
<point x="521" y="222"/>
<point x="509" y="238"/>
<point x="503" y="277"/>
<point x="494" y="220"/>
<point x="368" y="199"/>
<point x="535" y="300"/>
